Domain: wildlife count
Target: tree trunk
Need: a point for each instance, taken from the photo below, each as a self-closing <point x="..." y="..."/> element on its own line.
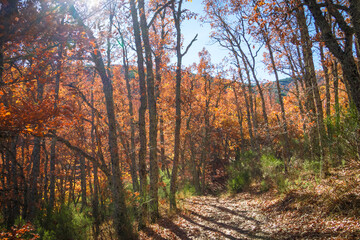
<point x="133" y="166"/>
<point x="173" y="185"/>
<point x="12" y="205"/>
<point x="142" y="112"/>
<point x="83" y="182"/>
<point x="121" y="219"/>
<point x="35" y="172"/>
<point x="247" y="105"/>
<point x="312" y="91"/>
<point x="285" y="134"/>
<point x="53" y="140"/>
<point x="336" y="95"/>
<point x="95" y="198"/>
<point x="240" y="119"/>
<point x="158" y="63"/>
<point x="345" y="55"/>
<point x="154" y="168"/>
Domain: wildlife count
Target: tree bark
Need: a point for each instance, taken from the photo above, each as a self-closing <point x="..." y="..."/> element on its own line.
<point x="142" y="112"/>
<point x="240" y="118"/>
<point x="133" y="166"/>
<point x="35" y="172"/>
<point x="345" y="54"/>
<point x="53" y="140"/>
<point x="121" y="219"/>
<point x="284" y="124"/>
<point x="177" y="16"/>
<point x="154" y="168"/>
<point x="95" y="196"/>
<point x="312" y="91"/>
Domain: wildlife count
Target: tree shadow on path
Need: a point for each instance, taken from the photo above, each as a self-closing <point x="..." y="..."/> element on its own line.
<point x="208" y="228"/>
<point x="248" y="233"/>
<point x="236" y="213"/>
<point x="168" y="224"/>
<point x="152" y="234"/>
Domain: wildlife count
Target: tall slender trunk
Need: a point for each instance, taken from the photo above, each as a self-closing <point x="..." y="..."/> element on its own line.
<point x="252" y="107"/>
<point x="83" y="182"/>
<point x="327" y="81"/>
<point x="46" y="173"/>
<point x="95" y="198"/>
<point x="240" y="118"/>
<point x="177" y="14"/>
<point x="178" y="112"/>
<point x="205" y="148"/>
<point x="253" y="142"/>
<point x="337" y="110"/>
<point x="336" y="95"/>
<point x="35" y="172"/>
<point x="142" y="112"/>
<point x="12" y="206"/>
<point x="177" y="21"/>
<point x="154" y="168"/>
<point x="53" y="140"/>
<point x="313" y="96"/>
<point x="283" y="114"/>
<point x="343" y="52"/>
<point x="121" y="219"/>
<point x="133" y="166"/>
<point x="158" y="63"/>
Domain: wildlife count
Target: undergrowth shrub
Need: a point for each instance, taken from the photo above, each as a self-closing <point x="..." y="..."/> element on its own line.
<point x="347" y="136"/>
<point x="273" y="173"/>
<point x="188" y="189"/>
<point x="67" y="223"/>
<point x="239" y="181"/>
<point x="164" y="185"/>
<point x="241" y="171"/>
<point x="312" y="166"/>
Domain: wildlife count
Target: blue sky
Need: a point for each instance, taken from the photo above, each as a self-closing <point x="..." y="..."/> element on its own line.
<point x="191" y="27"/>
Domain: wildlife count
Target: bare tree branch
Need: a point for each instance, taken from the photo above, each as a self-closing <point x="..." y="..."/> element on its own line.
<point x="188" y="47"/>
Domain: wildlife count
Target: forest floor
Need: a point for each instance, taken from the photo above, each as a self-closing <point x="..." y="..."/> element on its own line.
<point x="327" y="209"/>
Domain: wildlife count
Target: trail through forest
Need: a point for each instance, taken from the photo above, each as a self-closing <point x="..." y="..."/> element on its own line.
<point x="111" y="120"/>
<point x="209" y="217"/>
<point x="254" y="216"/>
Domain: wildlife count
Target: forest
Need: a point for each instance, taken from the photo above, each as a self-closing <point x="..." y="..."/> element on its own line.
<point x="107" y="132"/>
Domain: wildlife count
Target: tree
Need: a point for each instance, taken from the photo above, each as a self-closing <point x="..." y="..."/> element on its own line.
<point x="154" y="169"/>
<point x="341" y="48"/>
<point x="122" y="223"/>
<point x="177" y="15"/>
<point x="142" y="111"/>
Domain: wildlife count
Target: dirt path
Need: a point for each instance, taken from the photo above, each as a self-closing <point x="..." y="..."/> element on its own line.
<point x="216" y="218"/>
<point x="213" y="218"/>
<point x="297" y="215"/>
<point x="329" y="209"/>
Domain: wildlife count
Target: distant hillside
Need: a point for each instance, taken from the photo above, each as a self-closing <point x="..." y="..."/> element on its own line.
<point x="284" y="84"/>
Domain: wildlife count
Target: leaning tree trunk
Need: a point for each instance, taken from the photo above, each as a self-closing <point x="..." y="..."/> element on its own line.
<point x="122" y="224"/>
<point x="345" y="54"/>
<point x="283" y="115"/>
